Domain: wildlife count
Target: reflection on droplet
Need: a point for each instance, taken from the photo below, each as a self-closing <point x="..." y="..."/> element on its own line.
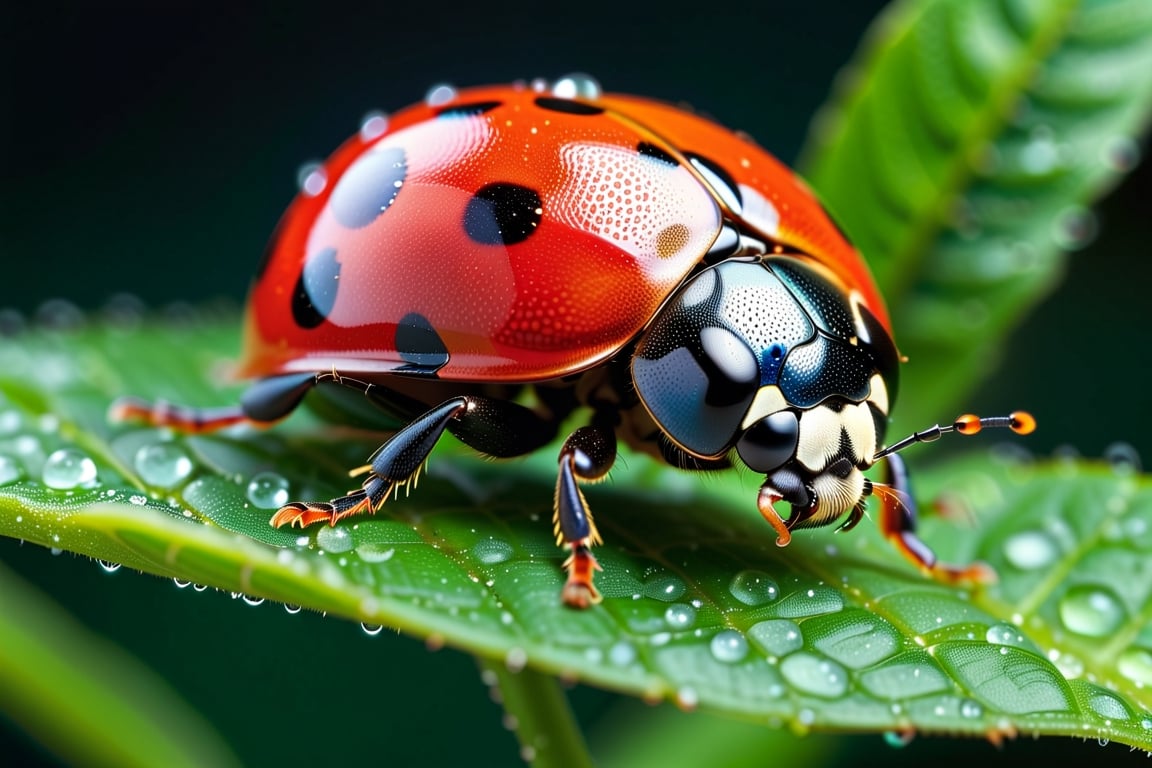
<point x="492" y="551"/>
<point x="311" y="178"/>
<point x="971" y="710"/>
<point x="268" y="490"/>
<point x="622" y="653"/>
<point x="1123" y="458"/>
<point x="164" y="465"/>
<point x="439" y="95"/>
<point x="10" y="470"/>
<point x="899" y="739"/>
<point x="729" y="646"/>
<point x="664" y="586"/>
<point x="292" y="609"/>
<point x="1120" y="153"/>
<point x="778" y="637"/>
<point x="372" y="552"/>
<point x="1074" y="228"/>
<point x="67" y="469"/>
<point x="753" y="587"/>
<point x="332" y="539"/>
<point x="1091" y="611"/>
<point x="812" y="674"/>
<point x="107" y="566"/>
<point x="1030" y="550"/>
<point x="577" y="85"/>
<point x="371" y="629"/>
<point x="1136" y="665"/>
<point x="680" y="616"/>
<point x="373" y="125"/>
<point x="1109" y="707"/>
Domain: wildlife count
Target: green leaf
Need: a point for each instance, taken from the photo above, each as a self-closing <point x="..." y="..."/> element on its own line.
<point x="961" y="151"/>
<point x="834" y="632"/>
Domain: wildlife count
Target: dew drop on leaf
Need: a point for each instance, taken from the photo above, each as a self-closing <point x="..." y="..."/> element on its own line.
<point x="728" y="646"/>
<point x="664" y="586"/>
<point x="268" y="490"/>
<point x="680" y="616"/>
<point x="753" y="588"/>
<point x="371" y="629"/>
<point x="373" y="124"/>
<point x="1136" y="665"/>
<point x="1091" y="611"/>
<point x="778" y="637"/>
<point x="67" y="469"/>
<point x="164" y="465"/>
<point x="622" y="653"/>
<point x="332" y="539"/>
<point x="108" y="566"/>
<point x="10" y="470"/>
<point x="1030" y="550"/>
<point x="810" y="673"/>
<point x="492" y="551"/>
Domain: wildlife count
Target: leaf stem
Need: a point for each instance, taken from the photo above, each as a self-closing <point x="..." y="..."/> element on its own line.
<point x="537" y="710"/>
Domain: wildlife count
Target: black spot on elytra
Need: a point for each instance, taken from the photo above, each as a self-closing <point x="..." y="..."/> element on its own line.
<point x="720" y="181"/>
<point x="419" y="344"/>
<point x="502" y="214"/>
<point x="567" y="106"/>
<point x="654" y="152"/>
<point x="470" y="109"/>
<point x="315" y="293"/>
<point x="368" y="187"/>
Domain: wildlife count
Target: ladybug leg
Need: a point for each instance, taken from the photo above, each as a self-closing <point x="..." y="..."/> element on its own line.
<point x="498" y="428"/>
<point x="898" y="524"/>
<point x="267" y="400"/>
<point x="395" y="463"/>
<point x="587" y="455"/>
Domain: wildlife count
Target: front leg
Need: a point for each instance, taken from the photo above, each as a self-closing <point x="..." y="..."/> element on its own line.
<point x="587" y="455"/>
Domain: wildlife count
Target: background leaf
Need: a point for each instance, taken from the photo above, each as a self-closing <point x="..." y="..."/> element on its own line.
<point x="960" y="154"/>
<point x="701" y="608"/>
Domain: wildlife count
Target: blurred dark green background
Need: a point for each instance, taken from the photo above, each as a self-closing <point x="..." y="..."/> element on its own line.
<point x="150" y="151"/>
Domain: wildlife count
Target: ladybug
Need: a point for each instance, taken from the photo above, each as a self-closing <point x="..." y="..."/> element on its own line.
<point x="496" y="260"/>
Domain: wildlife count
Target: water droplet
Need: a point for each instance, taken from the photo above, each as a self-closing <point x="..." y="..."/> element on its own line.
<point x="252" y="601"/>
<point x="1074" y="228"/>
<point x="1005" y="634"/>
<point x="181" y="583"/>
<point x="373" y="125"/>
<point x="577" y="85"/>
<point x="292" y="609"/>
<point x="334" y="540"/>
<point x="439" y="95"/>
<point x="10" y="422"/>
<point x="268" y="490"/>
<point x="753" y="588"/>
<point x="1109" y="707"/>
<point x="371" y="629"/>
<point x="67" y="469"/>
<point x="622" y="653"/>
<point x="1123" y="458"/>
<point x="813" y="674"/>
<point x="664" y="586"/>
<point x="372" y="552"/>
<point x="492" y="551"/>
<point x="1091" y="611"/>
<point x="778" y="637"/>
<point x="680" y="616"/>
<point x="971" y="710"/>
<point x="164" y="465"/>
<point x="687" y="698"/>
<point x="199" y="587"/>
<point x="108" y="566"/>
<point x="1040" y="155"/>
<point x="729" y="646"/>
<point x="311" y="178"/>
<point x="899" y="739"/>
<point x="516" y="659"/>
<point x="59" y="315"/>
<point x="10" y="470"/>
<point x="1030" y="550"/>
<point x="1120" y="153"/>
<point x="1136" y="665"/>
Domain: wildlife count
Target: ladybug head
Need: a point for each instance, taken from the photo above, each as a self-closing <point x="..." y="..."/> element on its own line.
<point x="769" y="361"/>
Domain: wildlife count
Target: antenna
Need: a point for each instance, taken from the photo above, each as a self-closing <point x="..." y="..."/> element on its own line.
<point x="1020" y="422"/>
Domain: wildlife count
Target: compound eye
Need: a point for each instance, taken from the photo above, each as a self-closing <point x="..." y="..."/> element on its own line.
<point x="770" y="442"/>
